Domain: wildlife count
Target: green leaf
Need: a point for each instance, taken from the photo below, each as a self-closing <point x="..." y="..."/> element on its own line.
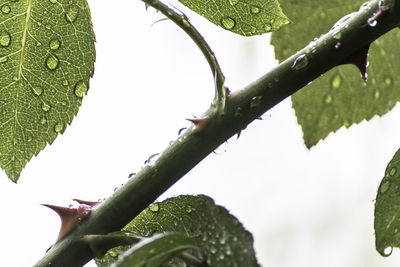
<point x="46" y="59"/>
<point x="244" y="17"/>
<point x="387" y="209"/>
<point x="154" y="251"/>
<point x="221" y="236"/>
<point x="339" y="97"/>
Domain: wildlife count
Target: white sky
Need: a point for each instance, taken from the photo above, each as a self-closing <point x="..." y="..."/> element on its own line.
<point x="305" y="208"/>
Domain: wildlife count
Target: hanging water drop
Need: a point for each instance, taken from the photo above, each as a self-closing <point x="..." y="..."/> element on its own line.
<point x="80" y="89"/>
<point x="228" y="23"/>
<point x="37" y="90"/>
<point x="300" y="63"/>
<point x="59" y="127"/>
<point x="387" y="251"/>
<point x="72" y="13"/>
<point x="52" y="62"/>
<point x="372" y="22"/>
<point x="5" y="39"/>
<point x="54" y="44"/>
<point x="5" y="9"/>
<point x="152" y="159"/>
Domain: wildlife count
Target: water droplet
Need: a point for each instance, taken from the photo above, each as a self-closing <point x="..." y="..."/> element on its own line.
<point x="385" y="186"/>
<point x="228" y="23"/>
<point x="336" y="81"/>
<point x="377" y="94"/>
<point x="328" y="99"/>
<point x="300" y="63"/>
<point x="5" y="9"/>
<point x="131" y="175"/>
<point x="337" y="35"/>
<point x="72" y="13"/>
<point x="155" y="207"/>
<point x="80" y="89"/>
<point x="52" y="62"/>
<point x="54" y="44"/>
<point x="5" y="39"/>
<point x="233" y="2"/>
<point x="59" y="127"/>
<point x="267" y="27"/>
<point x="213" y="250"/>
<point x="255" y="101"/>
<point x="338" y="45"/>
<point x="189" y="209"/>
<point x="388" y="81"/>
<point x="37" y="90"/>
<point x="387" y="251"/>
<point x="393" y="171"/>
<point x="372" y="22"/>
<point x="45" y="107"/>
<point x="43" y="120"/>
<point x="3" y="59"/>
<point x="255" y="9"/>
<point x="152" y="159"/>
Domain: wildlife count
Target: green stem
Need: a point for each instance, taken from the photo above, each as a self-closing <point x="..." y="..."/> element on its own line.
<point x="183" y="22"/>
<point x="241" y="108"/>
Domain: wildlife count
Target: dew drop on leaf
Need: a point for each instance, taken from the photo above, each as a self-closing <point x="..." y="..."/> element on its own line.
<point x="336" y="81"/>
<point x="228" y="23"/>
<point x="37" y="90"/>
<point x="328" y="99"/>
<point x="384" y="187"/>
<point x="233" y="2"/>
<point x="255" y="9"/>
<point x="54" y="44"/>
<point x="59" y="127"/>
<point x="372" y="22"/>
<point x="5" y="9"/>
<point x="5" y="39"/>
<point x="3" y="59"/>
<point x="155" y="207"/>
<point x="45" y="107"/>
<point x="387" y="251"/>
<point x="72" y="13"/>
<point x="52" y="62"/>
<point x="80" y="89"/>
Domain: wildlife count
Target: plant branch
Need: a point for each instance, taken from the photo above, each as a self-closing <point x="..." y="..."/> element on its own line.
<point x="183" y="22"/>
<point x="242" y="108"/>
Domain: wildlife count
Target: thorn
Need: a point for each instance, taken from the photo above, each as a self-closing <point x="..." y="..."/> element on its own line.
<point x="157" y="21"/>
<point x="146" y="6"/>
<point x="359" y="59"/>
<point x="92" y="204"/>
<point x="240" y="132"/>
<point x="199" y="123"/>
<point x="70" y="217"/>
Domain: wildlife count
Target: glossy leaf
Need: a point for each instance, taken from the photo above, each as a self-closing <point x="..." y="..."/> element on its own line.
<point x="339" y="97"/>
<point x="387" y="209"/>
<point x="220" y="235"/>
<point x="244" y="17"/>
<point x="46" y="59"/>
<point x="154" y="251"/>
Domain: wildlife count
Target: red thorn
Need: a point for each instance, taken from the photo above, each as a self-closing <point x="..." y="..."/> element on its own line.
<point x="70" y="217"/>
<point x="92" y="204"/>
<point x="359" y="59"/>
<point x="199" y="123"/>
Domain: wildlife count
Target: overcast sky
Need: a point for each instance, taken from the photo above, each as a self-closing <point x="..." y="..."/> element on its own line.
<point x="305" y="208"/>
